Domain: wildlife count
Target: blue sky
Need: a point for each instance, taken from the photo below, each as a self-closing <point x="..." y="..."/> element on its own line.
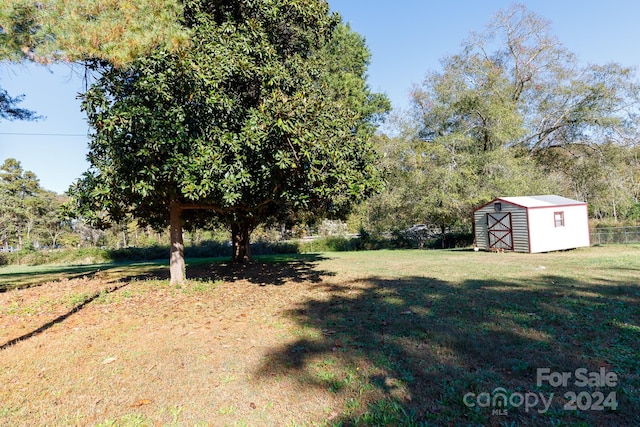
<point x="407" y="39"/>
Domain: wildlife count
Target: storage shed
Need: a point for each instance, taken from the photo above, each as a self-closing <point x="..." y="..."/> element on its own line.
<point x="532" y="224"/>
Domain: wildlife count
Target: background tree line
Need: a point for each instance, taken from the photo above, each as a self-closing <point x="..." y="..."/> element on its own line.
<point x="34" y="218"/>
<point x="29" y="215"/>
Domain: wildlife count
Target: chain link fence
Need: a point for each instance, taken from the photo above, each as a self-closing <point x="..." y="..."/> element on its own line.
<point x="622" y="235"/>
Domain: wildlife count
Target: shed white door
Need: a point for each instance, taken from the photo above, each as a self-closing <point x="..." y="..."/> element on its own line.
<point x="500" y="231"/>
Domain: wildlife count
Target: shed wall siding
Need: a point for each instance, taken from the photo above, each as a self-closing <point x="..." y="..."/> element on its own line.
<point x="545" y="236"/>
<point x="518" y="224"/>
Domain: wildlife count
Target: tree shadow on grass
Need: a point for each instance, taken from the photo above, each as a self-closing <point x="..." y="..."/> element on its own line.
<point x="263" y="271"/>
<point x="409" y="350"/>
<point x="27" y="279"/>
<point x="52" y="273"/>
<point x="62" y="317"/>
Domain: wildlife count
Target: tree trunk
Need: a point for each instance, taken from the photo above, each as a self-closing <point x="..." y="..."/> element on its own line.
<point x="19" y="234"/>
<point x="240" y="233"/>
<point x="176" y="262"/>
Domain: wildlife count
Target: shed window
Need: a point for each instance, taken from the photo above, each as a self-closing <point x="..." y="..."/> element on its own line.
<point x="558" y="218"/>
<point x="497" y="207"/>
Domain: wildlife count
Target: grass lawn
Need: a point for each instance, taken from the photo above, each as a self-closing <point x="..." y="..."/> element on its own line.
<point x="443" y="338"/>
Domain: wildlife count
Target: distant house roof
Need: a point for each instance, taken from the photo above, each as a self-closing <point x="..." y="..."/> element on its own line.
<point x="540" y="201"/>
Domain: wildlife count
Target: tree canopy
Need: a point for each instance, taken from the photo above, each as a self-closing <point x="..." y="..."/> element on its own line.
<point x="528" y="91"/>
<point x="116" y="31"/>
<point x="265" y="113"/>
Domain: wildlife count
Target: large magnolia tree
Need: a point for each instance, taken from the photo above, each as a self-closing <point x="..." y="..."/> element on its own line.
<point x="266" y="112"/>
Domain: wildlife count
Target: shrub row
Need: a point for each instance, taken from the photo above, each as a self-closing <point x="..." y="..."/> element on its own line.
<point x="57" y="256"/>
<point x="397" y="241"/>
